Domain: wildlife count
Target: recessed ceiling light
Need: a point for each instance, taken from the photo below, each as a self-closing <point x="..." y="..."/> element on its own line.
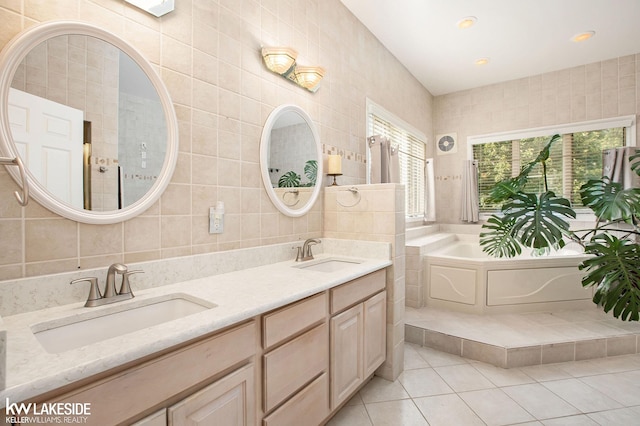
<point x="466" y="22"/>
<point x="482" y="61"/>
<point x="583" y="36"/>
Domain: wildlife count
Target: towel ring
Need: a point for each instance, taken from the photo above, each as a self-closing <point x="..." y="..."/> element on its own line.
<point x="23" y="199"/>
<point x="354" y="191"/>
<point x="295" y="192"/>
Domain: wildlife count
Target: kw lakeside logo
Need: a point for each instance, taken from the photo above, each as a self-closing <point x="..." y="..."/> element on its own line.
<point x="47" y="413"/>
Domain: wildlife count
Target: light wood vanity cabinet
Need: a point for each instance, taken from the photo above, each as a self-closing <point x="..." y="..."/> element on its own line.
<point x="213" y="363"/>
<point x="358" y="334"/>
<point x="294" y="365"/>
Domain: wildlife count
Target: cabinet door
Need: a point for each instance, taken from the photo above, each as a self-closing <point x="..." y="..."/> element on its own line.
<point x="159" y="418"/>
<point x="229" y="401"/>
<point x="347" y="372"/>
<point x="375" y="331"/>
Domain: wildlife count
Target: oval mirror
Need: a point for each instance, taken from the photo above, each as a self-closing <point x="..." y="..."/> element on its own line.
<point x="90" y="119"/>
<point x="291" y="160"/>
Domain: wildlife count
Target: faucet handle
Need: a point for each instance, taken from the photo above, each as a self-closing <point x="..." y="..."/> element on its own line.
<point x="125" y="287"/>
<point x="299" y="255"/>
<point x="94" y="291"/>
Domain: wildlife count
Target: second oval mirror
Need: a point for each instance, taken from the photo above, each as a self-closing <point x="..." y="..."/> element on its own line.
<point x="291" y="160"/>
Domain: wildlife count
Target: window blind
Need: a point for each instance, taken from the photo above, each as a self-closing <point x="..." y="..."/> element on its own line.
<point x="572" y="161"/>
<point x="411" y="156"/>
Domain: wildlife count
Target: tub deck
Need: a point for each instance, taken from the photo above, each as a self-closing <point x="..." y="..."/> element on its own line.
<point x="523" y="339"/>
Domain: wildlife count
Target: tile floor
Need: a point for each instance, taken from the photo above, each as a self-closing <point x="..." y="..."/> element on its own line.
<point x="438" y="388"/>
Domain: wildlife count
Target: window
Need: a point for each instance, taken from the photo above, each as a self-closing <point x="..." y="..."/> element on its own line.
<point x="572" y="161"/>
<point x="412" y="151"/>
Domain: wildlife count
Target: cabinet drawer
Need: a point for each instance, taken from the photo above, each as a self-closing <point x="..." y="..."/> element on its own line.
<point x="294" y="364"/>
<point x="357" y="290"/>
<point x="139" y="388"/>
<point x="278" y="326"/>
<point x="310" y="404"/>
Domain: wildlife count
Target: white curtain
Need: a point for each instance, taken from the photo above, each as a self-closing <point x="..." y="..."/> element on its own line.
<point x="615" y="166"/>
<point x="385" y="165"/>
<point x="429" y="191"/>
<point x="470" y="204"/>
<point x="393" y="175"/>
<point x="375" y="158"/>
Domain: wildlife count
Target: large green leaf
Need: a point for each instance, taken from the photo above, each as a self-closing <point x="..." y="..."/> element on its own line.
<point x="311" y="171"/>
<point x="539" y="220"/>
<point x="289" y="179"/>
<point x="614" y="270"/>
<point x="609" y="201"/>
<point x="506" y="189"/>
<point x="499" y="241"/>
<point x="544" y="153"/>
<point x="635" y="165"/>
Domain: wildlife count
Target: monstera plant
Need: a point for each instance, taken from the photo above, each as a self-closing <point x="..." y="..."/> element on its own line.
<point x="540" y="221"/>
<point x="292" y="179"/>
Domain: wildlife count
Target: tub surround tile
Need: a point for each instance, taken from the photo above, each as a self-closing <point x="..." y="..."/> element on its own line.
<point x="491" y="354"/>
<point x="558" y="352"/>
<point x="513" y="340"/>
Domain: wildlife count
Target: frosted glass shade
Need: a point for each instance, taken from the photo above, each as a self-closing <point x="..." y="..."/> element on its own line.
<point x="279" y="59"/>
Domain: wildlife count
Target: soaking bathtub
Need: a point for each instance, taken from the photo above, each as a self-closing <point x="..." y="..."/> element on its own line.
<point x="460" y="276"/>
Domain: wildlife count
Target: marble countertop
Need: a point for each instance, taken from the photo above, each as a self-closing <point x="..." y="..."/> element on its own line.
<point x="238" y="296"/>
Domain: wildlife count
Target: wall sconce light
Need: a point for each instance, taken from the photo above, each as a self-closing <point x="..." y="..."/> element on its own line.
<point x="279" y="59"/>
<point x="155" y="7"/>
<point x="308" y="77"/>
<point x="282" y="61"/>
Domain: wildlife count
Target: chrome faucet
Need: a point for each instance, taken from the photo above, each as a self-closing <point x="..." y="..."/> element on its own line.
<point x="110" y="285"/>
<point x="304" y="252"/>
<point x="110" y="295"/>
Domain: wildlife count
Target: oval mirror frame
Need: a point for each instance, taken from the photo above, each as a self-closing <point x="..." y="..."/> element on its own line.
<point x="10" y="58"/>
<point x="264" y="160"/>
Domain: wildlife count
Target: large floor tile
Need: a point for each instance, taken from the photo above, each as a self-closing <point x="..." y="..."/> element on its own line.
<point x="379" y="390"/>
<point x="623" y="416"/>
<point x="502" y="376"/>
<point x="580" y="420"/>
<point x="423" y="382"/>
<point x="412" y="358"/>
<point x="622" y="387"/>
<point x="351" y="415"/>
<point x="462" y="378"/>
<point x="582" y="396"/>
<point x="540" y="401"/>
<point x="437" y="358"/>
<point x="447" y="410"/>
<point x="494" y="407"/>
<point x="395" y="413"/>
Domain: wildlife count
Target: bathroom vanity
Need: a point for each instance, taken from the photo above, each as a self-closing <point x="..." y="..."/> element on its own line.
<point x="272" y="344"/>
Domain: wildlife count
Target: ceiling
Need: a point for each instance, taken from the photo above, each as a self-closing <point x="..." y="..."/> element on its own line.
<point x="520" y="37"/>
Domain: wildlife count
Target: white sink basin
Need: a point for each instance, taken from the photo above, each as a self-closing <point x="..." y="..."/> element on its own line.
<point x="92" y="327"/>
<point x="329" y="265"/>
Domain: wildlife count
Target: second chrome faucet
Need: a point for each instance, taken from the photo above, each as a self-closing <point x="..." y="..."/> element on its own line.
<point x="110" y="294"/>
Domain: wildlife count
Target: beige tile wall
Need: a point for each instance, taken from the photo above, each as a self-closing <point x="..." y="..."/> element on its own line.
<point x="598" y="90"/>
<point x="376" y="213"/>
<point x="207" y="53"/>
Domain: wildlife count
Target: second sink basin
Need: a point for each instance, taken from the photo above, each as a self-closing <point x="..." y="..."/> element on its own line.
<point x="55" y="337"/>
<point x="329" y="265"/>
